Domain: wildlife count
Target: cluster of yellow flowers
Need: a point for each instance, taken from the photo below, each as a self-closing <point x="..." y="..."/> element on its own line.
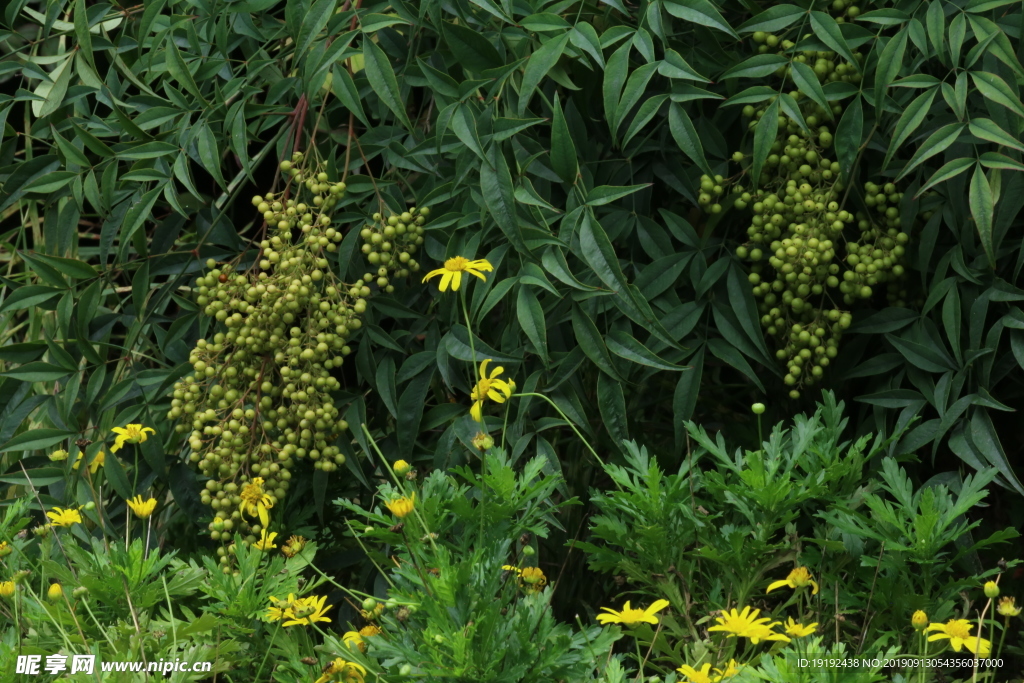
<point x="734" y="623"/>
<point x="488" y="385"/>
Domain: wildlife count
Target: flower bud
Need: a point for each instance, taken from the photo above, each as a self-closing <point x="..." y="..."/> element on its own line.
<point x="401" y="467"/>
<point x="991" y="589"/>
<point x="55" y="592"/>
<point x="758" y="408"/>
<point x="919" y="620"/>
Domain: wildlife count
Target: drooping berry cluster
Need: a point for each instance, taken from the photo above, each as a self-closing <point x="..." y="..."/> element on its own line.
<point x="798" y="225"/>
<point x="258" y="400"/>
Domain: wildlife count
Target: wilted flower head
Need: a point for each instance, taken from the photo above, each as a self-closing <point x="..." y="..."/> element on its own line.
<point x="1007" y="607"/>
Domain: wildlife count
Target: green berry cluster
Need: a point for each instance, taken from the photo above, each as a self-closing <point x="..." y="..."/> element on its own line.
<point x="796" y="229"/>
<point x="876" y="257"/>
<point x="258" y="399"/>
<point x="389" y="243"/>
<point x="823" y="63"/>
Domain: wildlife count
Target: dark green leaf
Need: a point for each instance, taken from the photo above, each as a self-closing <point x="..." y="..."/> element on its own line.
<point x="700" y="12"/>
<point x="686" y="137"/>
<point x="625" y="346"/>
<point x="764" y="137"/>
<point x="827" y="30"/>
<point x="591" y="342"/>
<point x="773" y="19"/>
<point x="382" y="80"/>
<point x="982" y="209"/>
<point x="612" y="404"/>
<point x="849" y="134"/>
<point x="36" y="439"/>
<point x="563" y="151"/>
<point x="531" y="319"/>
<point x="538" y="66"/>
<point x="936" y="142"/>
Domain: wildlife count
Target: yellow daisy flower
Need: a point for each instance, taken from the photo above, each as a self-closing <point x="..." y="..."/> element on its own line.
<point x="958" y="631"/>
<point x="142" y="508"/>
<point x="745" y="624"/>
<point x="255" y="501"/>
<point x="631" y="617"/>
<point x="96" y="463"/>
<point x="280" y="609"/>
<point x="266" y="541"/>
<point x="532" y="579"/>
<point x="400" y="507"/>
<point x="354" y="640"/>
<point x="131" y="433"/>
<point x="453" y="269"/>
<point x="343" y="671"/>
<point x="308" y="611"/>
<point x="731" y="669"/>
<point x="695" y="676"/>
<point x="370" y="631"/>
<point x="798" y="630"/>
<point x="498" y="390"/>
<point x="798" y="578"/>
<point x="62" y="517"/>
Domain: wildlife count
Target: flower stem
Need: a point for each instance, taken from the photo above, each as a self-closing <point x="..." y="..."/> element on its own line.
<point x="569" y="422"/>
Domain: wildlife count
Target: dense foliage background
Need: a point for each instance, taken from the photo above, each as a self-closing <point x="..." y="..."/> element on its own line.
<point x="603" y="156"/>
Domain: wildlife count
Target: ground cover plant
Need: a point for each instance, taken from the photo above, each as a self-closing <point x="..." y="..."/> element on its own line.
<point x="498" y="340"/>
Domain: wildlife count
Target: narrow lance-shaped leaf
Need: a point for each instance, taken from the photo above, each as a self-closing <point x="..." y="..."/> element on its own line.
<point x="563" y="151"/>
<point x="950" y="170"/>
<point x="807" y="82"/>
<point x="685" y="135"/>
<point x="773" y="19"/>
<point x="936" y="142"/>
<point x="531" y="319"/>
<point x="764" y="137"/>
<point x="700" y="12"/>
<point x="910" y="119"/>
<point x="827" y="30"/>
<point x="382" y="80"/>
<point x="987" y="129"/>
<point x="982" y="209"/>
<point x="538" y="66"/>
<point x="996" y="90"/>
<point x="849" y="134"/>
<point x="889" y="65"/>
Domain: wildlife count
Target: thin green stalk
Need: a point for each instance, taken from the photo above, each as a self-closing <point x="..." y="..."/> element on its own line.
<point x="476" y="384"/>
<point x="1002" y="638"/>
<point x="267" y="653"/>
<point x="569" y="422"/>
